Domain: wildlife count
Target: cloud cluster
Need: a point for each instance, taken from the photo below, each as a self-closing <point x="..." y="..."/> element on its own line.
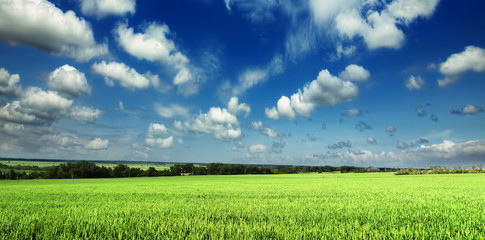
<point x="446" y="153"/>
<point x="379" y="25"/>
<point x="471" y="59"/>
<point x="41" y="24"/>
<point x="156" y="136"/>
<point x="103" y="8"/>
<point x="154" y="45"/>
<point x="467" y="110"/>
<point x="326" y="90"/>
<point x="220" y="122"/>
<point x="42" y="107"/>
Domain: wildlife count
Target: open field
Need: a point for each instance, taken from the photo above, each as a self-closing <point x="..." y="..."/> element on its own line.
<point x="299" y="206"/>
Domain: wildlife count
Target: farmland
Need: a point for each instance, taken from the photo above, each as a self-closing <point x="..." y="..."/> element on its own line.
<point x="368" y="205"/>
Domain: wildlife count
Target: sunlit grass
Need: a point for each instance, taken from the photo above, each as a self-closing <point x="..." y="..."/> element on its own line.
<point x="372" y="205"/>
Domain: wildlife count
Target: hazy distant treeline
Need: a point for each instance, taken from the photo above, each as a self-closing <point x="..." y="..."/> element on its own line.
<point x="85" y="169"/>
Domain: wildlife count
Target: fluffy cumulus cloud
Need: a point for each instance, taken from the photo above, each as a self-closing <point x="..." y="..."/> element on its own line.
<point x="235" y="107"/>
<point x="97" y="144"/>
<point x="467" y="110"/>
<point x="123" y="74"/>
<point x="379" y="25"/>
<point x="68" y="81"/>
<point x="154" y="45"/>
<point x="41" y="24"/>
<point x="326" y="90"/>
<point x="103" y="8"/>
<point x="283" y="109"/>
<point x="171" y="111"/>
<point x="157" y="136"/>
<point x="42" y="107"/>
<point x="218" y="122"/>
<point x="355" y="73"/>
<point x="471" y="59"/>
<point x="414" y="83"/>
<point x="9" y="84"/>
<point x="371" y="140"/>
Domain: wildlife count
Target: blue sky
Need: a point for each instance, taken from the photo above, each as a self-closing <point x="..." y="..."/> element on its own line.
<point x="319" y="82"/>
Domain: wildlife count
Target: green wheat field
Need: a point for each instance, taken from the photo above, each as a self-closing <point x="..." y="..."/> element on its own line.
<point x="298" y="206"/>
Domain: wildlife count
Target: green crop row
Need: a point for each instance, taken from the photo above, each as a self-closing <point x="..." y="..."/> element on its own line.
<point x="298" y="206"/>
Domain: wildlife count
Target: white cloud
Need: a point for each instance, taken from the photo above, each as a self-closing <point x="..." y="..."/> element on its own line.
<point x="171" y="111"/>
<point x="156" y="130"/>
<point x="468" y="109"/>
<point x="219" y="122"/>
<point x="283" y="110"/>
<point x="45" y="104"/>
<point x="85" y="114"/>
<point x="103" y="8"/>
<point x="409" y="10"/>
<point x="258" y="126"/>
<point x="355" y="73"/>
<point x="379" y="25"/>
<point x="401" y="145"/>
<point x="12" y="112"/>
<point x="155" y="136"/>
<point x="178" y="125"/>
<point x="221" y="116"/>
<point x="326" y="90"/>
<point x="390" y="129"/>
<point x="121" y="106"/>
<point x="414" y="83"/>
<point x="237" y="145"/>
<point x="126" y="76"/>
<point x="254" y="150"/>
<point x="153" y="45"/>
<point x="371" y="140"/>
<point x="472" y="58"/>
<point x="97" y="144"/>
<point x="41" y="24"/>
<point x="68" y="81"/>
<point x="160" y="142"/>
<point x="9" y="84"/>
<point x="235" y="108"/>
<point x="254" y="76"/>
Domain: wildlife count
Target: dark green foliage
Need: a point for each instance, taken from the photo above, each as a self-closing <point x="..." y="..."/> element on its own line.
<point x="441" y="170"/>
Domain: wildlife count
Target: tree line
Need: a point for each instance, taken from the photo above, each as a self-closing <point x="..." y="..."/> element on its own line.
<point x="86" y="169"/>
<point x="441" y="170"/>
